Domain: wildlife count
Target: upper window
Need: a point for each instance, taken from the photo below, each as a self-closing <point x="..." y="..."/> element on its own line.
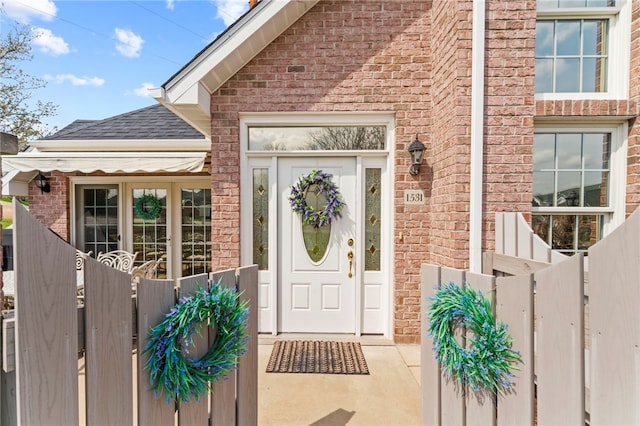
<point x="571" y="55"/>
<point x="581" y="49"/>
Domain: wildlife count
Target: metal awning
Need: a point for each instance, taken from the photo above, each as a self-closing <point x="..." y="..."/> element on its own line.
<point x="108" y="162"/>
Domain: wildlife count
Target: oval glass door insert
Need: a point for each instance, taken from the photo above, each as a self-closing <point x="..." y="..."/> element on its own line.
<point x="316" y="240"/>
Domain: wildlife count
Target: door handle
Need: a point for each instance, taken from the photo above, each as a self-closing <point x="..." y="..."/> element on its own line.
<point x="350" y="257"/>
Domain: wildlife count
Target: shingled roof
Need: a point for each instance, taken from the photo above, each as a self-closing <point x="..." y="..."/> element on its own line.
<point x="152" y="122"/>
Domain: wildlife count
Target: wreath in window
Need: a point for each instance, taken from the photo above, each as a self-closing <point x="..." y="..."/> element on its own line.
<point x="148" y="207"/>
<point x="487" y="361"/>
<point x="171" y="370"/>
<point x="326" y="186"/>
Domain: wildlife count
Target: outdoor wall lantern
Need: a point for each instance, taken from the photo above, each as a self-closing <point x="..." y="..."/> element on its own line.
<point x="416" y="149"/>
<point x="42" y="183"/>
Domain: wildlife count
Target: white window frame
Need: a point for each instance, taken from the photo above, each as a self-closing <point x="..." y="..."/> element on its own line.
<point x="619" y="42"/>
<point x="125" y="207"/>
<point x="614" y="214"/>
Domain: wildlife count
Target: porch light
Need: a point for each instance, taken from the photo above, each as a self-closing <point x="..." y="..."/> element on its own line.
<point x="416" y="149"/>
<point x="42" y="183"/>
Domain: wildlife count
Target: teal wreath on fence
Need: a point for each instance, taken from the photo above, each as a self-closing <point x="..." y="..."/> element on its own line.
<point x="148" y="207"/>
<point x="172" y="371"/>
<point x="328" y="188"/>
<point x="488" y="359"/>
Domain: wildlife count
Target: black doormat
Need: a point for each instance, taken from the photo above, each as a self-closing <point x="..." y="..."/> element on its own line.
<point x="310" y="356"/>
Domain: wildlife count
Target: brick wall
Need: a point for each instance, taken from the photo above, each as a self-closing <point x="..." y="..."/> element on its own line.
<point x="633" y="164"/>
<point x="508" y="121"/>
<point x="341" y="56"/>
<point x="52" y="208"/>
<point x="509" y="110"/>
<point x="450" y="133"/>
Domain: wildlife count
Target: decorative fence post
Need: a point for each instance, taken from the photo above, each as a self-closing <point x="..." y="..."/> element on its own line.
<point x="52" y="332"/>
<point x="46" y="324"/>
<point x="577" y="328"/>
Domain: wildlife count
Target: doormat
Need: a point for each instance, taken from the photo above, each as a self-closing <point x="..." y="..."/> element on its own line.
<point x="310" y="356"/>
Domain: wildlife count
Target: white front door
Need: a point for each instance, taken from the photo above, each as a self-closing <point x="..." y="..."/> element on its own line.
<point x="317" y="279"/>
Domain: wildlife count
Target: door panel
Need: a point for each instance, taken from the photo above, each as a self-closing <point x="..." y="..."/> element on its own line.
<point x="151" y="233"/>
<point x="195" y="231"/>
<point x="316" y="292"/>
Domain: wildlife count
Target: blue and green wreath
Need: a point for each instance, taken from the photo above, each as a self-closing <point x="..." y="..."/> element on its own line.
<point x="172" y="371"/>
<point x="148" y="207"/>
<point x="326" y="186"/>
<point x="487" y="361"/>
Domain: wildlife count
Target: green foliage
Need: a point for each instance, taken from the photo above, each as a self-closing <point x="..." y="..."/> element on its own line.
<point x="9" y="199"/>
<point x="326" y="186"/>
<point x="487" y="361"/>
<point x="20" y="115"/>
<point x="5" y="223"/>
<point x="171" y="370"/>
<point x="148" y="207"/>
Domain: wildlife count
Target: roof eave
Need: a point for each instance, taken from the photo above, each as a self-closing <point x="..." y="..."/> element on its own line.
<point x="188" y="92"/>
<point x="122" y="145"/>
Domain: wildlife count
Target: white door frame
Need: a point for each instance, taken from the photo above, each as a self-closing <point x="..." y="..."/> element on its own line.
<point x="384" y="159"/>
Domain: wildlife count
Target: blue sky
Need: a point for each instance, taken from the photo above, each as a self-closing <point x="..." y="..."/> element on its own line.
<point x="99" y="57"/>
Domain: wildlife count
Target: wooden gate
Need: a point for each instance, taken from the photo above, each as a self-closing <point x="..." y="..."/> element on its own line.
<point x="579" y="348"/>
<point x="105" y="337"/>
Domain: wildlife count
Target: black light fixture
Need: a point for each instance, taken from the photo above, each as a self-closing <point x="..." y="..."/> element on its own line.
<point x="42" y="183"/>
<point x="416" y="149"/>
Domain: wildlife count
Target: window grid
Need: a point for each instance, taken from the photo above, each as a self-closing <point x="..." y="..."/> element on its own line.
<point x="150" y="235"/>
<point x="556" y="65"/>
<point x="567" y="233"/>
<point x="100" y="220"/>
<point x="196" y="231"/>
<point x="571" y="182"/>
<point x="573" y="185"/>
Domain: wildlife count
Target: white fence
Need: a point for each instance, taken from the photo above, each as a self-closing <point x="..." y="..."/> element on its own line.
<point x="41" y="383"/>
<point x="553" y="324"/>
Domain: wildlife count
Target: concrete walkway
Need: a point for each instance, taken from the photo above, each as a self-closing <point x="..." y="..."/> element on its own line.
<point x="389" y="395"/>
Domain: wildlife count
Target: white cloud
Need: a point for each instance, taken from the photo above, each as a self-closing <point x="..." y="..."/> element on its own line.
<point x="74" y="80"/>
<point x="25" y="11"/>
<point x="129" y="43"/>
<point x="170" y="4"/>
<point x="49" y="43"/>
<point x="230" y="10"/>
<point x="144" y="90"/>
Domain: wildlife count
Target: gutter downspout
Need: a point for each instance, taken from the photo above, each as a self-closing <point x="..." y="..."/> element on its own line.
<point x="477" y="136"/>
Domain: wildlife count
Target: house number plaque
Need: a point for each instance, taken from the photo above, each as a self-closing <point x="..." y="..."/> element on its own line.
<point x="413" y="196"/>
